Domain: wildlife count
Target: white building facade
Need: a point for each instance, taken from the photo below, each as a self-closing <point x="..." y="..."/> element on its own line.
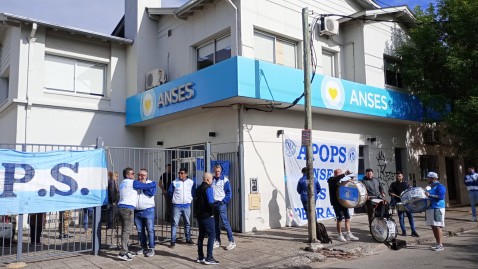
<point x="220" y="73"/>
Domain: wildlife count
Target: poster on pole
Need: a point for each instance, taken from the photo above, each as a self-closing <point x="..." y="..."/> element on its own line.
<point x="328" y="155"/>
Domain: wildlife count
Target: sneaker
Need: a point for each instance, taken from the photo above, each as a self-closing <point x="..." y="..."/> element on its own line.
<point x="351" y="237"/>
<point x="131" y="254"/>
<point x="140" y="252"/>
<point x="439" y="248"/>
<point x="341" y="238"/>
<point x="434" y="246"/>
<point x="190" y="242"/>
<point x="125" y="257"/>
<point x="231" y="245"/>
<point x="211" y="261"/>
<point x="473" y="219"/>
<point x="150" y="252"/>
<point x="414" y="234"/>
<point x="404" y="234"/>
<point x="173" y="244"/>
<point x="200" y="260"/>
<point x="216" y="244"/>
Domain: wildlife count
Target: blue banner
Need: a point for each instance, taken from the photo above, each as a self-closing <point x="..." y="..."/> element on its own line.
<point x="51" y="181"/>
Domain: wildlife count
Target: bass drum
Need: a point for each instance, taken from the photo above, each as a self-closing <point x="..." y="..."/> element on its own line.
<point x="415" y="200"/>
<point x="383" y="230"/>
<point x="352" y="194"/>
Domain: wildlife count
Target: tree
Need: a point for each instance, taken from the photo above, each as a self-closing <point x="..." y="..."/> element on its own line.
<point x="440" y="66"/>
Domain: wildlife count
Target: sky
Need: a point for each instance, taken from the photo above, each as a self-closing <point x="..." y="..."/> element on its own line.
<point x="103" y="15"/>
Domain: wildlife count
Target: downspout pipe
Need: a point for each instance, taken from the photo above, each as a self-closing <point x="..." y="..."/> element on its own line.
<point x="31" y="40"/>
<point x="236" y="26"/>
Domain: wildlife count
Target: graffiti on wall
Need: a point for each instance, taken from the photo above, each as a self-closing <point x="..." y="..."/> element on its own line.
<point x="386" y="177"/>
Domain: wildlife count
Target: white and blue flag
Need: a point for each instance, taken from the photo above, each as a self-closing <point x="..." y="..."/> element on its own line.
<point x="51" y="181"/>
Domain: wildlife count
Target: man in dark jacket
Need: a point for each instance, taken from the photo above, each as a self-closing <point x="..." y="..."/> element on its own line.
<point x="302" y="189"/>
<point x="396" y="188"/>
<point x="204" y="213"/>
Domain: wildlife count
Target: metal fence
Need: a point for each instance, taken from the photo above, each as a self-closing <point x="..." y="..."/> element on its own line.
<point x="41" y="236"/>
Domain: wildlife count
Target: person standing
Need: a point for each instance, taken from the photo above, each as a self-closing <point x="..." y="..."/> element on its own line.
<point x="126" y="205"/>
<point x="182" y="191"/>
<point x="435" y="214"/>
<point x="471" y="183"/>
<point x="374" y="190"/>
<point x="396" y="188"/>
<point x="144" y="216"/>
<point x="341" y="212"/>
<point x="164" y="183"/>
<point x="113" y="198"/>
<point x="302" y="189"/>
<point x="204" y="213"/>
<point x="36" y="221"/>
<point x="222" y="195"/>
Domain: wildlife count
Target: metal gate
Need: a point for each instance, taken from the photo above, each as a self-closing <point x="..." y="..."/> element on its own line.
<point x="234" y="206"/>
<point x="67" y="233"/>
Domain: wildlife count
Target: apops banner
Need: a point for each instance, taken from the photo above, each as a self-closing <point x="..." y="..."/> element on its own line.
<point x="328" y="155"/>
<point x="51" y="181"/>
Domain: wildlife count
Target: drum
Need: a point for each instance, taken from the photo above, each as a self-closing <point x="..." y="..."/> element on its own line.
<point x="383" y="230"/>
<point x="400" y="206"/>
<point x="415" y="200"/>
<point x="351" y="194"/>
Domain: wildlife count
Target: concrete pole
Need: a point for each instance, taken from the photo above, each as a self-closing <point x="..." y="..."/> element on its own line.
<point x="308" y="127"/>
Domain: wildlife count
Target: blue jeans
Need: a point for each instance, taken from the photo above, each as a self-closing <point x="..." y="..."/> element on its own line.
<point x="144" y="221"/>
<point x="206" y="226"/>
<point x="473" y="200"/>
<point x="401" y="219"/>
<point x="185" y="212"/>
<point x="86" y="212"/>
<point x="220" y="214"/>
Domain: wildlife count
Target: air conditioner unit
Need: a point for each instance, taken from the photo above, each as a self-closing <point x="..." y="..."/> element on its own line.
<point x="329" y="26"/>
<point x="155" y="78"/>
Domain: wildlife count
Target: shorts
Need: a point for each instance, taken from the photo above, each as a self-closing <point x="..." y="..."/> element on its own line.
<point x="341" y="213"/>
<point x="435" y="217"/>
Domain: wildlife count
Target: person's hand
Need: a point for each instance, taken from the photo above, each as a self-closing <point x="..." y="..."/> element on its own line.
<point x="427" y="194"/>
<point x="348" y="172"/>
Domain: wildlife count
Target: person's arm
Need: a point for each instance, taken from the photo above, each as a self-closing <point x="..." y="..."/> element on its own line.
<point x="151" y="191"/>
<point x="299" y="187"/>
<point x="193" y="189"/>
<point x="317" y="187"/>
<point x="227" y="191"/>
<point x="171" y="190"/>
<point x="138" y="185"/>
<point x="440" y="193"/>
<point x="210" y="196"/>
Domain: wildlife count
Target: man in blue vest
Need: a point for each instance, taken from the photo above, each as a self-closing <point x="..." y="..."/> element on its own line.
<point x="222" y="195"/>
<point x="144" y="217"/>
<point x="302" y="190"/>
<point x="471" y="183"/>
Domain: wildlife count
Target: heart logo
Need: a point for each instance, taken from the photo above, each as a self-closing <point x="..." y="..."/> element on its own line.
<point x="147" y="104"/>
<point x="333" y="93"/>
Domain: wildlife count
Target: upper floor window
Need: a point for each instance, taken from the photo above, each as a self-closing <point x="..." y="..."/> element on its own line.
<point x="393" y="75"/>
<point x="328" y="63"/>
<point x="274" y="49"/>
<point x="213" y="52"/>
<point x="74" y="76"/>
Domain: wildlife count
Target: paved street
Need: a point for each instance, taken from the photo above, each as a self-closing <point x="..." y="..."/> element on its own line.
<point x="283" y="248"/>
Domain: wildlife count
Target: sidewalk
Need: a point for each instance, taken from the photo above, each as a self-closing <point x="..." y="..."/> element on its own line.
<point x="277" y="248"/>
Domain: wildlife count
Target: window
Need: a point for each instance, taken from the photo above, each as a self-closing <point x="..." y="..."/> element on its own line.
<point x="275" y="50"/>
<point x="393" y="76"/>
<point x="75" y="76"/>
<point x="428" y="163"/>
<point x="328" y="63"/>
<point x="214" y="52"/>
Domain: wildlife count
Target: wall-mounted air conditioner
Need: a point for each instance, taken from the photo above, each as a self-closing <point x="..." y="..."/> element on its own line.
<point x="329" y="26"/>
<point x="155" y="78"/>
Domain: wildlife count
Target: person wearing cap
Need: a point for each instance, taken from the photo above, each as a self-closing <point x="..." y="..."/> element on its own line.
<point x="341" y="212"/>
<point x="471" y="183"/>
<point x="435" y="214"/>
<point x="302" y="189"/>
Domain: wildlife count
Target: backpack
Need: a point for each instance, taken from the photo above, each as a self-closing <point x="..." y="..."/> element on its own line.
<point x="322" y="234"/>
<point x="382" y="210"/>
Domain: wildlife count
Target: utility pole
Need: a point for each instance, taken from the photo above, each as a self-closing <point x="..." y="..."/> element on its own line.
<point x="307" y="132"/>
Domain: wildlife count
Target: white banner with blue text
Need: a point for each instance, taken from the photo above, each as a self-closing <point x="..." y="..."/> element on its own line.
<point x="328" y="155"/>
<point x="51" y="181"/>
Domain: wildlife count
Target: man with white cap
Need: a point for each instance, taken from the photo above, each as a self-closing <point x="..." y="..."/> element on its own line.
<point x="435" y="214"/>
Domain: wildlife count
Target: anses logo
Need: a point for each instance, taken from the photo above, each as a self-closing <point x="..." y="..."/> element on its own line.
<point x="332" y="92"/>
<point x="148" y="105"/>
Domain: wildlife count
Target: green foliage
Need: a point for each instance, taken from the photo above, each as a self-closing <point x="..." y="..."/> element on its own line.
<point x="440" y="66"/>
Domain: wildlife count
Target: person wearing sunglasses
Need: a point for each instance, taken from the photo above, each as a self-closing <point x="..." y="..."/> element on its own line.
<point x="182" y="190"/>
<point x="144" y="217"/>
